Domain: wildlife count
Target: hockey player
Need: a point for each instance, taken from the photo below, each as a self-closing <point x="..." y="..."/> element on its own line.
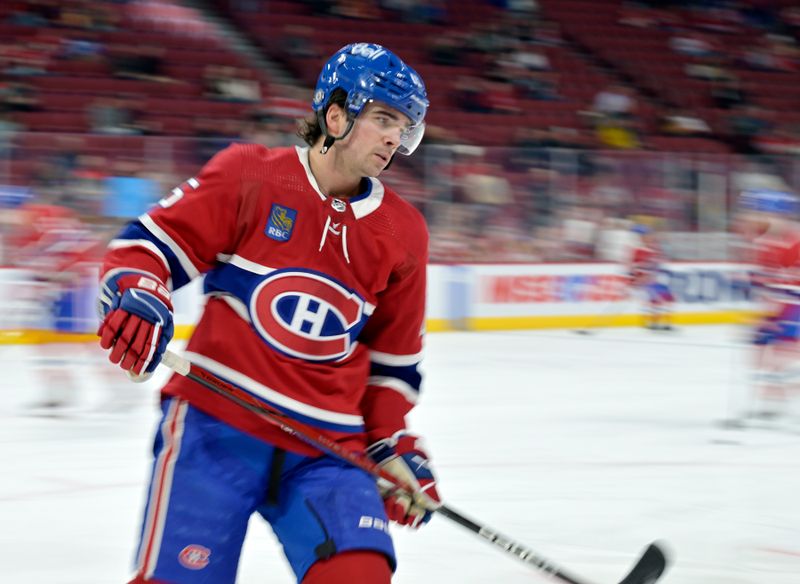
<point x="57" y="254"/>
<point x="315" y="278"/>
<point x="768" y="218"/>
<point x="645" y="264"/>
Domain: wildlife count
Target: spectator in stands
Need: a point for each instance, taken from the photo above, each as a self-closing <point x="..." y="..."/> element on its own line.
<point x="694" y="44"/>
<point x="615" y="101"/>
<point x="143" y="62"/>
<point x="713" y="69"/>
<point x="482" y="187"/>
<point x="297" y="42"/>
<point x="86" y="15"/>
<point x="537" y="85"/>
<point x="638" y="16"/>
<point x="607" y="191"/>
<point x="447" y="49"/>
<point x="521" y="8"/>
<point x="18" y="96"/>
<point x="438" y="135"/>
<point x="579" y="232"/>
<point x="489" y="37"/>
<point x="781" y="140"/>
<point x="36" y="13"/>
<point x="357" y="9"/>
<point x="265" y="129"/>
<point x="790" y="21"/>
<point x="85" y="50"/>
<point x="683" y="123"/>
<point x="773" y="53"/>
<point x="531" y="147"/>
<point x="8" y="129"/>
<point x="612" y="113"/>
<point x="746" y="125"/>
<point x="469" y="92"/>
<point x="539" y="202"/>
<point x="545" y="33"/>
<point x="528" y="58"/>
<point x="227" y="83"/>
<point x="26" y="59"/>
<point x="114" y="115"/>
<point x="416" y="11"/>
<point x="500" y="98"/>
<point x="728" y="93"/>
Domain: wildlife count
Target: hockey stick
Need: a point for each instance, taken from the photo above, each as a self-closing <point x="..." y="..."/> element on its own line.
<point x="647" y="570"/>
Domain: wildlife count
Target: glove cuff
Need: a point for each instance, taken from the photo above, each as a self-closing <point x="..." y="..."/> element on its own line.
<point x="116" y="282"/>
<point x="386" y="448"/>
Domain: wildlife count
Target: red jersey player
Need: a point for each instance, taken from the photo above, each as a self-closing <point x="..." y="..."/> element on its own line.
<point x="768" y="219"/>
<point x="57" y="252"/>
<point x="315" y="278"/>
<point x="645" y="265"/>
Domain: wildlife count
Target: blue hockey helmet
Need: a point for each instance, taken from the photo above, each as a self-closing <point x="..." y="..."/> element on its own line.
<point x="370" y="72"/>
<point x="769" y="201"/>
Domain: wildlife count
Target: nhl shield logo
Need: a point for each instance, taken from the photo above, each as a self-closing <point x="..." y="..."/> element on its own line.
<point x="281" y="222"/>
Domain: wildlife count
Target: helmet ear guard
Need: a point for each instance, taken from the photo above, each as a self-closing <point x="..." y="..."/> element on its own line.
<point x="369" y="72"/>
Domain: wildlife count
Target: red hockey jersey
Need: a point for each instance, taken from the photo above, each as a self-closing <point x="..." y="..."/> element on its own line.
<point x="644" y="264"/>
<point x="315" y="304"/>
<point x="52" y="242"/>
<point x="777" y="255"/>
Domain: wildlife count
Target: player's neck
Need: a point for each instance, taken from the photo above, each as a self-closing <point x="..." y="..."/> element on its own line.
<point x="331" y="176"/>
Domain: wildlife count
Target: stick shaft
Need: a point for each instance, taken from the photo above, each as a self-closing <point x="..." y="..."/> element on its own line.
<point x="321" y="442"/>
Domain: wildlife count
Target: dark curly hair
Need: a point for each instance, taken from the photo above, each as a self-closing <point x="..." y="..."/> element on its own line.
<point x="310" y="130"/>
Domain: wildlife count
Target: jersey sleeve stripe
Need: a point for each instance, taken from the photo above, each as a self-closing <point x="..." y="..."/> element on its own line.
<point x="409" y="374"/>
<point x="395" y="360"/>
<point x="138" y="233"/>
<point x="149" y="245"/>
<point x="409" y="393"/>
<point x="188" y="267"/>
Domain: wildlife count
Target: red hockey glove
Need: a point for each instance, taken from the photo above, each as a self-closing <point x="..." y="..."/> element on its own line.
<point x="137" y="321"/>
<point x="402" y="455"/>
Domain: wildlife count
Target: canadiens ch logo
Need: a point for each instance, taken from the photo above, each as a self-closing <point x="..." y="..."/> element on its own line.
<point x="307" y="315"/>
<point x="281" y="222"/>
<point x="194" y="557"/>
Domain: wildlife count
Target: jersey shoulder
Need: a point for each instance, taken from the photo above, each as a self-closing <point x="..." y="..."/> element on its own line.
<point x="398" y="219"/>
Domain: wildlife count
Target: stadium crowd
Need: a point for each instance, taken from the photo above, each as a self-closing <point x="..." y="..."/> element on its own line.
<point x="552" y="122"/>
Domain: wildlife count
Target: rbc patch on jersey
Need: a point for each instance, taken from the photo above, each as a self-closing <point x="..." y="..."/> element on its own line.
<point x="281" y="222"/>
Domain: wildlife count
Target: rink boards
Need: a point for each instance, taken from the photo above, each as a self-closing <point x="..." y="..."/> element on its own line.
<point x="460" y="297"/>
<point x="527" y="296"/>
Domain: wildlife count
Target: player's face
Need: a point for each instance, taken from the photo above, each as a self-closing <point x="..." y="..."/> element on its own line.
<point x="375" y="137"/>
<point x="752" y="224"/>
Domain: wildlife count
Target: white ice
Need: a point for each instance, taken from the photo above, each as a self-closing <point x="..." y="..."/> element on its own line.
<point x="583" y="448"/>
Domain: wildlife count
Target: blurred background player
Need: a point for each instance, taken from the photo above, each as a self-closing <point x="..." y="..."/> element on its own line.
<point x="645" y="266"/>
<point x="768" y="219"/>
<point x="55" y="256"/>
<point x="316" y="280"/>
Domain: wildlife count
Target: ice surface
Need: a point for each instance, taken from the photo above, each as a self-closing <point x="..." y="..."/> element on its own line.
<point x="583" y="448"/>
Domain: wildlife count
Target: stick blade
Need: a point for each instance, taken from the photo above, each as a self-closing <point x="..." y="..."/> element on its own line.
<point x="649" y="568"/>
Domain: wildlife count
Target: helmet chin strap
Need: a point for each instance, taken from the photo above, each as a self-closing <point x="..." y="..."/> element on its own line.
<point x="329" y="140"/>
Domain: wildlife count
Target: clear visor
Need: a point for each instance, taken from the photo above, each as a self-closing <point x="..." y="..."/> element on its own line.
<point x="411" y="138"/>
